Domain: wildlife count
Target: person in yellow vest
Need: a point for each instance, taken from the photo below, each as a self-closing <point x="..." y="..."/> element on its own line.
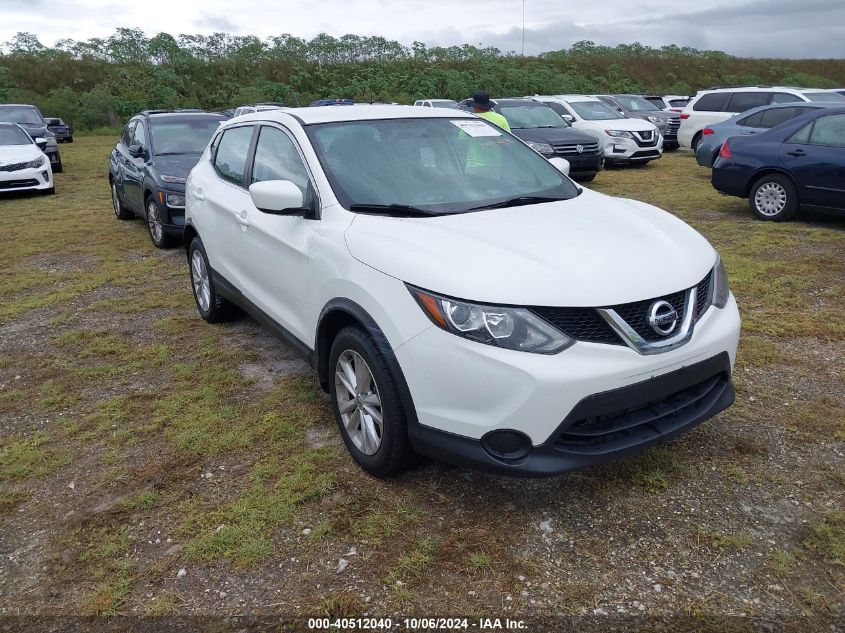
<point x="483" y="107"/>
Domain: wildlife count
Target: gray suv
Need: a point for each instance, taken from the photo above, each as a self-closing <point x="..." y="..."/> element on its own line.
<point x="636" y="107"/>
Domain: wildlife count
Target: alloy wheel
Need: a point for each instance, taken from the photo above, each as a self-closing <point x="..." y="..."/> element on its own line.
<point x="359" y="402"/>
<point x="770" y="199"/>
<point x="115" y="200"/>
<point x="154" y="222"/>
<point x="199" y="277"/>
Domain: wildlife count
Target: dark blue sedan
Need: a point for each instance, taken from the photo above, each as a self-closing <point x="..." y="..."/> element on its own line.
<point x="799" y="163"/>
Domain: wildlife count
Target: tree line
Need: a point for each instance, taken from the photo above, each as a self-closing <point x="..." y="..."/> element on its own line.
<point x="103" y="81"/>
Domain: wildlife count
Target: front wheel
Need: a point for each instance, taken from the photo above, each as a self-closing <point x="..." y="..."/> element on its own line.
<point x="585" y="177"/>
<point x="57" y="168"/>
<point x="120" y="212"/>
<point x="155" y="225"/>
<point x="367" y="406"/>
<point x="774" y="197"/>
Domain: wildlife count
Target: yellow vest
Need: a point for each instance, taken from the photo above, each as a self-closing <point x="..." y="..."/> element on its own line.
<point x="495" y="118"/>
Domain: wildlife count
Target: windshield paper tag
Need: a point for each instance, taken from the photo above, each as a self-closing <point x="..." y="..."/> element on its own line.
<point x="476" y="128"/>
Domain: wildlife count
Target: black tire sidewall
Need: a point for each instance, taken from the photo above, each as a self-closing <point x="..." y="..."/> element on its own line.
<point x="394" y="454"/>
<point x="218" y="309"/>
<point x="792" y="203"/>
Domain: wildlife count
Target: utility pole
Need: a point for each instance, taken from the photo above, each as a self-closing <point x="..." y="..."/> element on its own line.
<point x="523" y="28"/>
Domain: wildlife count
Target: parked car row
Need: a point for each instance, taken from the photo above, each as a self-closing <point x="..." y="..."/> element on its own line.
<point x="23" y="163"/>
<point x="33" y="122"/>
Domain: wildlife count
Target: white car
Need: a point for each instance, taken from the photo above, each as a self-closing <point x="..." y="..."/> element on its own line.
<point x="256" y="107"/>
<point x="458" y="295"/>
<point x="624" y="140"/>
<point x="670" y="103"/>
<point x="715" y="105"/>
<point x="23" y="164"/>
<point x="436" y="103"/>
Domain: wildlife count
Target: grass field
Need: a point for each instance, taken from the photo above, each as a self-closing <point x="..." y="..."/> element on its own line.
<point x="138" y="441"/>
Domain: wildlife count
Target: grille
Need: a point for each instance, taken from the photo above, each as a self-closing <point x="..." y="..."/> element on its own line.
<point x="572" y="148"/>
<point x="674" y="125"/>
<point x="18" y="184"/>
<point x="585" y="324"/>
<point x="641" y="423"/>
<point x="12" y="167"/>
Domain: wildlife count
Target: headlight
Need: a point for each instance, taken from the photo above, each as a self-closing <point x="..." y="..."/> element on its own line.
<point x="721" y="292"/>
<point x="619" y="133"/>
<point x="175" y="199"/>
<point x="542" y="148"/>
<point x="174" y="179"/>
<point x="34" y="164"/>
<point x="51" y="141"/>
<point x="654" y="119"/>
<point x="511" y="328"/>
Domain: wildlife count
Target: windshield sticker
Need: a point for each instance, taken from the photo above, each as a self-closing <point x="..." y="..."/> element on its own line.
<point x="476" y="128"/>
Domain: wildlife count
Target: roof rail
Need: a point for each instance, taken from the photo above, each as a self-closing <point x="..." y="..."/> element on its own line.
<point x="149" y="112"/>
<point x="752" y="86"/>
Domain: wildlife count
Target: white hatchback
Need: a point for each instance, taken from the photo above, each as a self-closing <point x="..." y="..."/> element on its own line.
<point x="624" y="140"/>
<point x="23" y="164"/>
<point x="458" y="295"/>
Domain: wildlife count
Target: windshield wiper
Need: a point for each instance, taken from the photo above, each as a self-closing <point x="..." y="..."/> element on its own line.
<point x="401" y="210"/>
<point x="516" y="202"/>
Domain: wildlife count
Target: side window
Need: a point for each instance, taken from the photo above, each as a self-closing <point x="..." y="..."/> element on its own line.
<point x="713" y="102"/>
<point x="776" y="116"/>
<point x="754" y="120"/>
<point x="742" y="101"/>
<point x="829" y="130"/>
<point x="126" y="137"/>
<point x="802" y="135"/>
<point x="232" y="150"/>
<point x="276" y="158"/>
<point x="139" y="137"/>
<point x="785" y="97"/>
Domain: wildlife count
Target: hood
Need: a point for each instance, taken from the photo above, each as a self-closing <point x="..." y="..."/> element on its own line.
<point x="178" y="165"/>
<point x="593" y="250"/>
<point x="631" y="125"/>
<point x="553" y="135"/>
<point x="35" y="129"/>
<point x="658" y="114"/>
<point x="18" y="153"/>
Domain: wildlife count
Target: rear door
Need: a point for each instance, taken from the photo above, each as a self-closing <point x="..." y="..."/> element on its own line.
<point x="815" y="156"/>
<point x="225" y="201"/>
<point x="119" y="160"/>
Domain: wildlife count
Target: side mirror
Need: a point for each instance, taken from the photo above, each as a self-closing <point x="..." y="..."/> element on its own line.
<point x="137" y="151"/>
<point x="277" y="197"/>
<point x="567" y="117"/>
<point x="561" y="164"/>
<point x="41" y="142"/>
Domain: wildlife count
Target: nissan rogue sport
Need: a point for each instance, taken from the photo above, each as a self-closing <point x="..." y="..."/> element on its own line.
<point x="458" y="295"/>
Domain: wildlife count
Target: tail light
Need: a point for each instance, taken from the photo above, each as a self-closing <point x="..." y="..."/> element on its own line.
<point x="707" y="131"/>
<point x="684" y="115"/>
<point x="725" y="151"/>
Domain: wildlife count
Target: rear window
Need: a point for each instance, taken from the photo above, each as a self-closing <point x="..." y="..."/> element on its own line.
<point x="712" y="102"/>
<point x="824" y="96"/>
<point x="678" y="103"/>
<point x="785" y="97"/>
<point x="829" y="130"/>
<point x="742" y="101"/>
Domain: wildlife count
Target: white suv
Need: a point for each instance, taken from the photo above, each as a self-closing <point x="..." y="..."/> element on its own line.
<point x="720" y="104"/>
<point x="436" y="103"/>
<point x="624" y="140"/>
<point x="457" y="294"/>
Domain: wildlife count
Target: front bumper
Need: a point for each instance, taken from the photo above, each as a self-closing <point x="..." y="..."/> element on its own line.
<point x="173" y="217"/>
<point x="623" y="151"/>
<point x="466" y="389"/>
<point x="583" y="163"/>
<point x="36" y="179"/>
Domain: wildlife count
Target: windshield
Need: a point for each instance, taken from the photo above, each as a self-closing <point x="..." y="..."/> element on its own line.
<point x="824" y="96"/>
<point x="636" y="104"/>
<point x="185" y="136"/>
<point x="437" y="166"/>
<point x="523" y="117"/>
<point x="20" y="114"/>
<point x="595" y="110"/>
<point x="444" y="104"/>
<point x="13" y="136"/>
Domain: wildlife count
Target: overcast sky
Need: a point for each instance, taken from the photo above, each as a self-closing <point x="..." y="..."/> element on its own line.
<point x="756" y="28"/>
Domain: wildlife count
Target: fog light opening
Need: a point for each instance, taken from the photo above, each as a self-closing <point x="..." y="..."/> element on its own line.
<point x="506" y="444"/>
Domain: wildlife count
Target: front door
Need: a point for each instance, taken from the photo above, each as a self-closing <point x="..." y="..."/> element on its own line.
<point x="815" y="155"/>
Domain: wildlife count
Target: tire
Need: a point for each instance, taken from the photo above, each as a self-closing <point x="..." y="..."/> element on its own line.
<point x="386" y="450"/>
<point x="155" y="225"/>
<point x="774" y="197"/>
<point x="57" y="169"/>
<point x="69" y="139"/>
<point x="120" y="212"/>
<point x="211" y="306"/>
<point x="696" y="141"/>
<point x="49" y="192"/>
<point x="586" y="178"/>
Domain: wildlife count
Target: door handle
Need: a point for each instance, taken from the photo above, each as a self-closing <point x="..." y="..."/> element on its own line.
<point x="243" y="219"/>
<point x="797" y="152"/>
<point x="198" y="194"/>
